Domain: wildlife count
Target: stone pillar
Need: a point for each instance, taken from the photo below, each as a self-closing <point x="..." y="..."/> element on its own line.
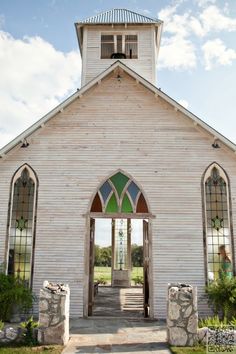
<point x="54" y="301"/>
<point x="182" y="316"/>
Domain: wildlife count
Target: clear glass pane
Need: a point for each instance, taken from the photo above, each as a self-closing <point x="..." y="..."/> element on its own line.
<point x="119" y="44"/>
<point x="131" y="46"/>
<point x="107" y="46"/>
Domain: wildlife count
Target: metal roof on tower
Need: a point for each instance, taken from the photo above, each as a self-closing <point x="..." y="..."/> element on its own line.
<point x="119" y="16"/>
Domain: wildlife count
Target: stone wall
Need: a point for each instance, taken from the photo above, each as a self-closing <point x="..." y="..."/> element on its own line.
<point x="54" y="314"/>
<point x="182" y="315"/>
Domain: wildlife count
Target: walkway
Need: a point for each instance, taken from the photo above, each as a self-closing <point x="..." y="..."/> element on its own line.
<point x="117" y="335"/>
<point x="118" y="302"/>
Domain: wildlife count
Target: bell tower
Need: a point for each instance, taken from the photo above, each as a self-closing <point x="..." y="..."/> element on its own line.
<point x="119" y="34"/>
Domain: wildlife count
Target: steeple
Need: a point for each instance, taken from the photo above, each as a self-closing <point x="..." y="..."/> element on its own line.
<point x="119" y="34"/>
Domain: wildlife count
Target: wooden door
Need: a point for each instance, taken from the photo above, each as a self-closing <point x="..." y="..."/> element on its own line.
<point x="91" y="268"/>
<point x="145" y="269"/>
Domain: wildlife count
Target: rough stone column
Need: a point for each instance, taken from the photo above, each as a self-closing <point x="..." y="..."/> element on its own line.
<point x="182" y="316"/>
<point x="54" y="301"/>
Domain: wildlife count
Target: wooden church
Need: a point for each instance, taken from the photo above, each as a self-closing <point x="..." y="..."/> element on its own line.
<point x="119" y="149"/>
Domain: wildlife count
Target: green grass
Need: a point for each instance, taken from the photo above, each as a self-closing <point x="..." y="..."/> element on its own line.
<point x="105" y="273"/>
<point x="188" y="350"/>
<point x="48" y="349"/>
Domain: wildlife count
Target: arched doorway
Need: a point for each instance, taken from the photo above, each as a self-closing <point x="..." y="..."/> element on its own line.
<point x="120" y="200"/>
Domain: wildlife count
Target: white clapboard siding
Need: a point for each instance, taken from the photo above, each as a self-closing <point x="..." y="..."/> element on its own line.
<point x="93" y="65"/>
<point x="118" y="125"/>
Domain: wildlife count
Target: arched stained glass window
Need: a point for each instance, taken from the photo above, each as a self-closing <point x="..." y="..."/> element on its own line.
<point x="22" y="224"/>
<point x="217" y="224"/>
<point x="119" y="194"/>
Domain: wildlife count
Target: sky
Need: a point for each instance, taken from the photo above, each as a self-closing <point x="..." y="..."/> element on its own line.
<point x="40" y="63"/>
<point x="103" y="233"/>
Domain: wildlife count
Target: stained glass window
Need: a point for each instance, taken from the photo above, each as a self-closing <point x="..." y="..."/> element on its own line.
<point x="217" y="222"/>
<point x="21" y="228"/>
<point x="112" y="206"/>
<point x="119" y="194"/>
<point x="121" y="244"/>
<point x="119" y="181"/>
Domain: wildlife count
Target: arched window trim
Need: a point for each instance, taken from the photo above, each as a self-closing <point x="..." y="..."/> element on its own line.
<point x="206" y="175"/>
<point x="108" y="179"/>
<point x="136" y="200"/>
<point x="15" y="177"/>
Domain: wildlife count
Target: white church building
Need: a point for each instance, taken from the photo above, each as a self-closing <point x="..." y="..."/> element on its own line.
<point x="119" y="149"/>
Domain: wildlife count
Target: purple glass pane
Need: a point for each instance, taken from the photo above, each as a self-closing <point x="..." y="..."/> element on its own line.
<point x="133" y="191"/>
<point x="105" y="191"/>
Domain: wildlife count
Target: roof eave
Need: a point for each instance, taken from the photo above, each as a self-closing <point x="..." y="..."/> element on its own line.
<point x="79" y="34"/>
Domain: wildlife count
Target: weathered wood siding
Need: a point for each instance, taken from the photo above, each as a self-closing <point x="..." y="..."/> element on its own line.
<point x="117" y="125"/>
<point x="93" y="65"/>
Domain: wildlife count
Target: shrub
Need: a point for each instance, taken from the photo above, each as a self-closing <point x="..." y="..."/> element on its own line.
<point x="138" y="280"/>
<point x="101" y="280"/>
<point x="29" y="332"/>
<point x="233" y="322"/>
<point x="222" y="297"/>
<point x="212" y="321"/>
<point x="1" y="325"/>
<point x="13" y="294"/>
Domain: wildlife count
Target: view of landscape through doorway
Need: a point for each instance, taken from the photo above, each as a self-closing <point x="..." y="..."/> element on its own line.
<point x="119" y="268"/>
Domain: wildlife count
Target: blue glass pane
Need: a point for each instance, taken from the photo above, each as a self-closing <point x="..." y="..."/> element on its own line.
<point x="105" y="191"/>
<point x="133" y="191"/>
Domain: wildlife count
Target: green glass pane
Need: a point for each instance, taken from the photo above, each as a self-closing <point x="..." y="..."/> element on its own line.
<point x="112" y="206"/>
<point x="119" y="180"/>
<point x="126" y="205"/>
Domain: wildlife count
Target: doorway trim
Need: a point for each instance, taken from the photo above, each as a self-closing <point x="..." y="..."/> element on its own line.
<point x="93" y="215"/>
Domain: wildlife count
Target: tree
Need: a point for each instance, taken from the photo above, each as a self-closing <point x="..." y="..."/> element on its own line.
<point x="97" y="255"/>
<point x="102" y="256"/>
<point x="137" y="255"/>
<point x="105" y="256"/>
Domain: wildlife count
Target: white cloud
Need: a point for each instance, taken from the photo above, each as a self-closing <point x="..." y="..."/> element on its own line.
<point x="173" y="22"/>
<point x="213" y="19"/>
<point x="215" y="53"/>
<point x="177" y="53"/>
<point x="195" y="26"/>
<point x="35" y="77"/>
<point x="209" y="19"/>
<point x="184" y="103"/>
<point x="179" y="50"/>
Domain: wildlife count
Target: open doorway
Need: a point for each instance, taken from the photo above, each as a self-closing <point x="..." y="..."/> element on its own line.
<point x="119" y="274"/>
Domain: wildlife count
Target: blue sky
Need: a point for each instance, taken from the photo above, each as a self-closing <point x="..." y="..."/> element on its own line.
<point x="40" y="63"/>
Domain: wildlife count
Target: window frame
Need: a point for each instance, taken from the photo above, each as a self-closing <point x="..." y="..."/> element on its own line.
<point x="115" y="34"/>
<point x="15" y="177"/>
<point x="206" y="175"/>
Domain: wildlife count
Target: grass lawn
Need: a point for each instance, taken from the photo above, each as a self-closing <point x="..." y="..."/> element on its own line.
<point x="188" y="350"/>
<point x="105" y="272"/>
<point x="45" y="349"/>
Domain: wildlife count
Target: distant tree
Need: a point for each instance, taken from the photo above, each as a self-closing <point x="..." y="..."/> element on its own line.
<point x="105" y="256"/>
<point x="102" y="256"/>
<point x="97" y="251"/>
<point x="137" y="255"/>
